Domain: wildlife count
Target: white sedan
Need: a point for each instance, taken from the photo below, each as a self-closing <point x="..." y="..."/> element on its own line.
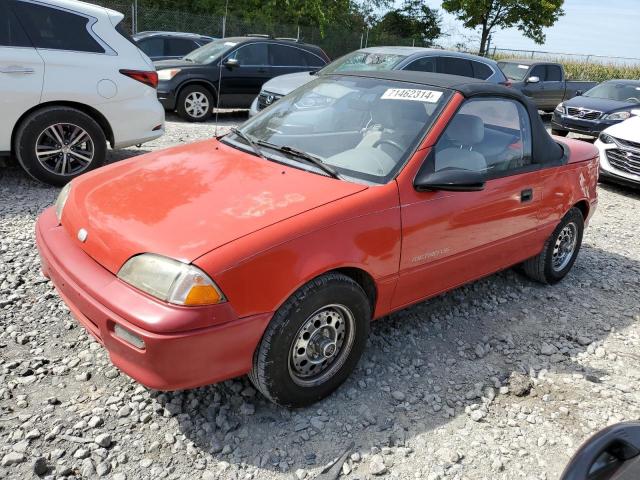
<point x="619" y="147"/>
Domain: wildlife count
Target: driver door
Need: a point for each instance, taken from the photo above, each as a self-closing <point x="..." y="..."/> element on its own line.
<point x="450" y="238"/>
<point x="241" y="84"/>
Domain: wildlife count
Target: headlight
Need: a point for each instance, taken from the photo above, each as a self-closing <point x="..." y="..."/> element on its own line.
<point x="560" y="107"/>
<point x="604" y="138"/>
<point x="170" y="280"/>
<point x="168" y="73"/>
<point x="61" y="200"/>
<point x="618" y="116"/>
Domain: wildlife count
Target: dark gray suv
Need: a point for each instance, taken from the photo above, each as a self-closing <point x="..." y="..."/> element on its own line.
<point x="386" y="58"/>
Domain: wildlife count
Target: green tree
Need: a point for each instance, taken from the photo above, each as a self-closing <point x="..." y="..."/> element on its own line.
<point x="414" y="20"/>
<point x="529" y="16"/>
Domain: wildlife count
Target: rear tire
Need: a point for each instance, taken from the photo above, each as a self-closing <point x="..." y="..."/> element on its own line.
<point x="195" y="103"/>
<point x="56" y="144"/>
<point x="559" y="133"/>
<point x="560" y="250"/>
<point x="313" y="342"/>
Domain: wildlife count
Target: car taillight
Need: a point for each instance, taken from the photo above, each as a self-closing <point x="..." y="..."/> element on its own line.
<point x="148" y="78"/>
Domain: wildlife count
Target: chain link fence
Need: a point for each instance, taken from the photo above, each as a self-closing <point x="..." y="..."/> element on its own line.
<point x="335" y="41"/>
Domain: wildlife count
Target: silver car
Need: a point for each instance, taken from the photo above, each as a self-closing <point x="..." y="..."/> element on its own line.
<point x="385" y="58"/>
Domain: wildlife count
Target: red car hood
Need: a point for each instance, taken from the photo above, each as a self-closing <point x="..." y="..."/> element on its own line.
<point x="186" y="201"/>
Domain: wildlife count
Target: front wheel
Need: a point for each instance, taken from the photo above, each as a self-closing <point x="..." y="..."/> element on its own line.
<point x="313" y="342"/>
<point x="559" y="133"/>
<point x="195" y="103"/>
<point x="559" y="252"/>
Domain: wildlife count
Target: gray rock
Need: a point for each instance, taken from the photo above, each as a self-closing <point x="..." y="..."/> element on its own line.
<point x="399" y="396"/>
<point x="104" y="440"/>
<point x="519" y="384"/>
<point x="12" y="458"/>
<point x="377" y="466"/>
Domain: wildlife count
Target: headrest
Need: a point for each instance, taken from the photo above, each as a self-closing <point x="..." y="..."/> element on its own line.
<point x="466" y="129"/>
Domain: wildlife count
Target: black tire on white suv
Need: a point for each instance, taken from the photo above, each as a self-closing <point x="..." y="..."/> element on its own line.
<point x="56" y="144"/>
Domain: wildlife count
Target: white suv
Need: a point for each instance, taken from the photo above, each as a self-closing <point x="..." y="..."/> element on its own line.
<point x="71" y="80"/>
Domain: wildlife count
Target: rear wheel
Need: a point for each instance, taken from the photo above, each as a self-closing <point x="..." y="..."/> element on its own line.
<point x="559" y="133"/>
<point x="56" y="144"/>
<point x="313" y="342"/>
<point x="195" y="103"/>
<point x="560" y="250"/>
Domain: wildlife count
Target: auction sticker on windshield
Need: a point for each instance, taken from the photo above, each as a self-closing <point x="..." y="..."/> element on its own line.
<point x="428" y="96"/>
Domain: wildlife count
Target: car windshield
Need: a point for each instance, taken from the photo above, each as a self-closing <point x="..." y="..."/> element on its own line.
<point x="360" y="127"/>
<point x="209" y="52"/>
<point x="621" y="91"/>
<point x="513" y="70"/>
<point x="360" y="61"/>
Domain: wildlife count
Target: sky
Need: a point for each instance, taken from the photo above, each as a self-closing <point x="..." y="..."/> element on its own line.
<point x="589" y="27"/>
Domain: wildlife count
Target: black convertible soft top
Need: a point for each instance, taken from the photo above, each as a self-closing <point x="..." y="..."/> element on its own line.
<point x="544" y="149"/>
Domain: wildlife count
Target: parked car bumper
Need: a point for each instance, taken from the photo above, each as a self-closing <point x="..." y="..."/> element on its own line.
<point x="135" y="120"/>
<point x="616" y="173"/>
<point x="103" y="304"/>
<point x="576" y="125"/>
<point x="253" y="109"/>
<point x="167" y="94"/>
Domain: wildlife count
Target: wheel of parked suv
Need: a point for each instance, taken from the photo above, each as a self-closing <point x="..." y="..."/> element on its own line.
<point x="560" y="250"/>
<point x="195" y="103"/>
<point x="559" y="133"/>
<point x="56" y="144"/>
<point x="313" y="342"/>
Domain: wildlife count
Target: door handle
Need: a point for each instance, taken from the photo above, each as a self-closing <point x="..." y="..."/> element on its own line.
<point x="262" y="70"/>
<point x="17" y="69"/>
<point x="526" y="195"/>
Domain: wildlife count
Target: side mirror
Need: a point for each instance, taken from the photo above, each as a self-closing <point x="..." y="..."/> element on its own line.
<point x="231" y="63"/>
<point x="533" y="79"/>
<point x="611" y="453"/>
<point x="451" y="180"/>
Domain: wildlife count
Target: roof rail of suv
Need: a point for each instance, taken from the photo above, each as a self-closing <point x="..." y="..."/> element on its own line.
<point x="258" y="35"/>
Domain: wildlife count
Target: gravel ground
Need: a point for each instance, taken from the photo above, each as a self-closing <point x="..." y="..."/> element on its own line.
<point x="503" y="378"/>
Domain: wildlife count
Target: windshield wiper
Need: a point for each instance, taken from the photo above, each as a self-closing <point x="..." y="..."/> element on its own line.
<point x="308" y="157"/>
<point x="249" y="140"/>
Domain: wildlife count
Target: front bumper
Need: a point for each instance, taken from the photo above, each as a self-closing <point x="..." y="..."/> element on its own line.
<point x="591" y="128"/>
<point x="613" y="173"/>
<point x="166" y="95"/>
<point x="253" y="109"/>
<point x="169" y="360"/>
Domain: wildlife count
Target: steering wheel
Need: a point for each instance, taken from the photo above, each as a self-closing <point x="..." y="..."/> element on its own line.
<point x="633" y="99"/>
<point x="389" y="142"/>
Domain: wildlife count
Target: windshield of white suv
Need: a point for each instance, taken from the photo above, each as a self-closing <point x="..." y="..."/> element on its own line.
<point x="360" y="61"/>
<point x="209" y="52"/>
<point x="615" y="90"/>
<point x="359" y="127"/>
<point x="514" y="71"/>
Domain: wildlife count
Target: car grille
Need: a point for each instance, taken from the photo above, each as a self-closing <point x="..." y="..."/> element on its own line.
<point x="583" y="113"/>
<point x="624" y="160"/>
<point x="266" y="99"/>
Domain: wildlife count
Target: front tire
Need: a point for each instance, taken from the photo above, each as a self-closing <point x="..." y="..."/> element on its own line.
<point x="560" y="250"/>
<point x="195" y="103"/>
<point x="559" y="133"/>
<point x="56" y="144"/>
<point x="313" y="342"/>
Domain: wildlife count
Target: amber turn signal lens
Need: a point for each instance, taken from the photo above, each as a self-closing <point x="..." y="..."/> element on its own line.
<point x="202" y="295"/>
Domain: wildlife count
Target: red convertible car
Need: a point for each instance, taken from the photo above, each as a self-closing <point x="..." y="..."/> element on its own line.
<point x="268" y="251"/>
